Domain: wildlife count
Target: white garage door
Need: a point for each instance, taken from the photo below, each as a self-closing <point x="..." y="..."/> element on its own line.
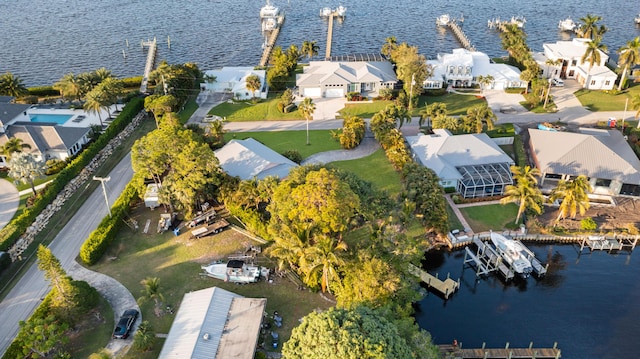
<point x="312" y="92"/>
<point x="334" y="93"/>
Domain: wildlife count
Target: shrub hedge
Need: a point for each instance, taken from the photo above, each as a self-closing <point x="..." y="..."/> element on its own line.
<point x="43" y="91"/>
<point x="18" y="225"/>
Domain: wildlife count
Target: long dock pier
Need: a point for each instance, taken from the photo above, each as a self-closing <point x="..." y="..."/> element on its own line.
<point x="327" y="54"/>
<point x="502" y="353"/>
<point x="151" y="60"/>
<point x="460" y="35"/>
<point x="446" y="287"/>
<point x="271" y="42"/>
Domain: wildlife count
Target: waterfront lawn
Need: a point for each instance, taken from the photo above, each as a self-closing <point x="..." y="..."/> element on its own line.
<point x="281" y="141"/>
<point x="456" y="104"/>
<point x="265" y="110"/>
<point x="491" y="217"/>
<point x="376" y="169"/>
<point x="602" y="101"/>
<point x="189" y="108"/>
<point x="452" y="219"/>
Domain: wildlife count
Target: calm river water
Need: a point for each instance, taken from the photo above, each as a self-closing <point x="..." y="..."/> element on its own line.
<point x="587" y="303"/>
<point x="41" y="40"/>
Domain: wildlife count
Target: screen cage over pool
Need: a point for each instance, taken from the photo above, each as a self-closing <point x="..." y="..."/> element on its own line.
<point x="484" y="180"/>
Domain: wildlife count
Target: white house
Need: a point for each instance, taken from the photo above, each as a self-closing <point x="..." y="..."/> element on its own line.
<point x="569" y="54"/>
<point x="234" y="80"/>
<point x="602" y="155"/>
<point x="337" y="78"/>
<point x="462" y="68"/>
<point x="473" y="164"/>
<point x="249" y="158"/>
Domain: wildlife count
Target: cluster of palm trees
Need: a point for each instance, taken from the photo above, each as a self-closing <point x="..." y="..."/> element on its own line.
<point x="572" y="193"/>
<point x="11" y="85"/>
<point x="514" y="40"/>
<point x="476" y="120"/>
<point x="589" y="29"/>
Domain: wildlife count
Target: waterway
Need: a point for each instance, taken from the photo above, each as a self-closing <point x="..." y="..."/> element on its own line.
<point x="41" y="40"/>
<point x="587" y="303"/>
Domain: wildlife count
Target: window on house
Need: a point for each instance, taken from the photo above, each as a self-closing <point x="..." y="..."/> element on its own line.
<point x="606" y="83"/>
<point x="593" y="82"/>
<point x="603" y="182"/>
<point x="574" y="62"/>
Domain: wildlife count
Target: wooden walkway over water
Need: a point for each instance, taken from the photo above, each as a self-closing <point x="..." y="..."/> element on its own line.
<point x="446" y="287"/>
<point x="271" y="42"/>
<point x="151" y="60"/>
<point x="449" y="351"/>
<point x="460" y="35"/>
<point x="327" y="54"/>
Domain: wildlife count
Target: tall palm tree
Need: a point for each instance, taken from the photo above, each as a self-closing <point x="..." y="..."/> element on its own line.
<point x="253" y="84"/>
<point x="592" y="54"/>
<point x="151" y="291"/>
<point x="635" y="104"/>
<point x="554" y="63"/>
<point x="69" y="86"/>
<point x="11" y="85"/>
<point x="390" y="44"/>
<point x="589" y="27"/>
<point x="26" y="168"/>
<point x="479" y="115"/>
<point x="13" y="145"/>
<point x="323" y="260"/>
<point x="431" y="111"/>
<point x="309" y="49"/>
<point x="307" y="108"/>
<point x="629" y="55"/>
<point x="93" y="103"/>
<point x="573" y="194"/>
<point x="526" y="173"/>
<point x="484" y="81"/>
<point x="526" y="194"/>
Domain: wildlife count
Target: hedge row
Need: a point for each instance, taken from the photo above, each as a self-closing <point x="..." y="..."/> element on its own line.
<point x="95" y="246"/>
<point x="43" y="91"/>
<point x="18" y="225"/>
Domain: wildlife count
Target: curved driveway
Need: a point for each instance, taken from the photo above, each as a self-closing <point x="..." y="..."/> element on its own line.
<point x="9" y="201"/>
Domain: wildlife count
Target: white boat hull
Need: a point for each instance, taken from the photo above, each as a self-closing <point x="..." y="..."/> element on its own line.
<point x="512" y="254"/>
<point x="246" y="274"/>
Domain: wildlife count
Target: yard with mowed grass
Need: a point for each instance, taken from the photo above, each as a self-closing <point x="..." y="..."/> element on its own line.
<point x="376" y="169"/>
<point x="281" y="141"/>
<point x="265" y="110"/>
<point x="602" y="101"/>
<point x="491" y="217"/>
<point x="134" y="256"/>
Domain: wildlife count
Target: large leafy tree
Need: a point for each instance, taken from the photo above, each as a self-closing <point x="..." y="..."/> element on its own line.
<point x="253" y="84"/>
<point x="411" y="68"/>
<point x="54" y="272"/>
<point x="159" y="105"/>
<point x="26" y="168"/>
<point x="307" y="108"/>
<point x="309" y="49"/>
<point x="370" y="280"/>
<point x="12" y="85"/>
<point x="421" y="186"/>
<point x="629" y="56"/>
<point x="525" y="193"/>
<point x="574" y="196"/>
<point x="339" y="333"/>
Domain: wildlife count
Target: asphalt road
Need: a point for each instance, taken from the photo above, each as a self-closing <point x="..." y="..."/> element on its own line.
<point x="26" y="295"/>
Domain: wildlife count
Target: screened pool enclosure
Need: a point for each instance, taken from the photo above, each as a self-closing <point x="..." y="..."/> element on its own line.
<point x="484" y="180"/>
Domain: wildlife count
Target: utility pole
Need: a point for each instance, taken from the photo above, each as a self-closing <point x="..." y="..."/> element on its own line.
<point x="104" y="190"/>
<point x="411" y="92"/>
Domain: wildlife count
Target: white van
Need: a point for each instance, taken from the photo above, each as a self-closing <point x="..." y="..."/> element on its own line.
<point x="557" y="82"/>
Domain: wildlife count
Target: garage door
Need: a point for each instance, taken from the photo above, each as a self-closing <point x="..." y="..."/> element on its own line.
<point x="312" y="92"/>
<point x="334" y="93"/>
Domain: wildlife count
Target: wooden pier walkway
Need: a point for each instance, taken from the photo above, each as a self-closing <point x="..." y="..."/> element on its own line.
<point x="271" y="42"/>
<point x="446" y="287"/>
<point x="449" y="351"/>
<point x="460" y="35"/>
<point x="151" y="60"/>
<point x="327" y="54"/>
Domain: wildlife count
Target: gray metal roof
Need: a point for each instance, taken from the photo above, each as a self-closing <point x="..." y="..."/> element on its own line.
<point x="214" y="323"/>
<point x="6" y="99"/>
<point x="600" y="154"/>
<point x="9" y="111"/>
<point x="42" y="137"/>
<point x="249" y="158"/>
<point x="336" y="72"/>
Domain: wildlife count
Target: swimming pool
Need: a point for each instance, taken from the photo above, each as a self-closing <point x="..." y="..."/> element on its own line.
<point x="50" y="118"/>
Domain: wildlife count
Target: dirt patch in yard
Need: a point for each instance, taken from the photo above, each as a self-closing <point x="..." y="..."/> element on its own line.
<point x="626" y="211"/>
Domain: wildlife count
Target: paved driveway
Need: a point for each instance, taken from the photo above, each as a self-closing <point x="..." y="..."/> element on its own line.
<point x="9" y="201"/>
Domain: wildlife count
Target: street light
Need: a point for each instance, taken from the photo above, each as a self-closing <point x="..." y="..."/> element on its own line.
<point x="104" y="190"/>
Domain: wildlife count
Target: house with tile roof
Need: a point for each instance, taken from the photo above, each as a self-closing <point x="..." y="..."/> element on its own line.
<point x="462" y="67"/>
<point x="569" y="54"/>
<point x="337" y="78"/>
<point x="473" y="164"/>
<point x="604" y="156"/>
<point x="250" y="159"/>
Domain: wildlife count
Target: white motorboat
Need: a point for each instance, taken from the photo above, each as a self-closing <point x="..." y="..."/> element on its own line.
<point x="234" y="271"/>
<point x="637" y="19"/>
<point x="567" y="25"/>
<point x="518" y="21"/>
<point x="341" y="11"/>
<point x="269" y="11"/>
<point x="512" y="253"/>
<point x="443" y="20"/>
<point x="269" y="24"/>
<point x="325" y="12"/>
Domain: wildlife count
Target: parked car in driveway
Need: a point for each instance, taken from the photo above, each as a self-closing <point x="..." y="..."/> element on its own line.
<point x="557" y="82"/>
<point x="123" y="328"/>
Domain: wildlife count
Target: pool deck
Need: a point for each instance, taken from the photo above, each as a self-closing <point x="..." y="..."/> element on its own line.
<point x="79" y="117"/>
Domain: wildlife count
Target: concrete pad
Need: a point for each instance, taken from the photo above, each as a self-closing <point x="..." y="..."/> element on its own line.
<point x="9" y="201"/>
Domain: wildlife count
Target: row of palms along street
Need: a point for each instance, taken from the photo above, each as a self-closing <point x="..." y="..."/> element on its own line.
<point x="22" y="300"/>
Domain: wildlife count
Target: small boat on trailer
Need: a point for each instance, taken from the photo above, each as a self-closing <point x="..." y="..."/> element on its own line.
<point x="235" y="271"/>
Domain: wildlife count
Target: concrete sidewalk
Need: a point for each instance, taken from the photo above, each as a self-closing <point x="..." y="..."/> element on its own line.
<point x="9" y="201"/>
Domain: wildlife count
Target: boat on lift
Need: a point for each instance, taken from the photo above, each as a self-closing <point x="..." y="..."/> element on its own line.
<point x="326" y="12"/>
<point x="269" y="11"/>
<point x="341" y="11"/>
<point x="567" y="25"/>
<point x="512" y="253"/>
<point x="637" y="19"/>
<point x="443" y="20"/>
<point x="519" y="21"/>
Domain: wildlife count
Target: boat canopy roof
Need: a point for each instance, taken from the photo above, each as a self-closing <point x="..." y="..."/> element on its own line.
<point x="235" y="263"/>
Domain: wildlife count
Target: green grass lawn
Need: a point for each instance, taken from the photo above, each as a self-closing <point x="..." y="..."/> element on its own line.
<point x="281" y="141"/>
<point x="602" y="101"/>
<point x="454" y="222"/>
<point x="364" y="109"/>
<point x="491" y="217"/>
<point x="375" y="169"/>
<point x="93" y="332"/>
<point x="265" y="110"/>
<point x="456" y="104"/>
<point x="189" y="108"/>
<point x="22" y="186"/>
<point x="551" y="107"/>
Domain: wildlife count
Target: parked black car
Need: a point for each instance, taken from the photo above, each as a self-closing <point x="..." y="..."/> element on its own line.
<point x="125" y="324"/>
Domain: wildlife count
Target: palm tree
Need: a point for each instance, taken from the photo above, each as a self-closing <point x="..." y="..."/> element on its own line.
<point x="589" y="28"/>
<point x="573" y="194"/>
<point x="26" y="168"/>
<point x="13" y="145"/>
<point x="307" y="108"/>
<point x="431" y="111"/>
<point x="526" y="194"/>
<point x="68" y="86"/>
<point x="635" y="103"/>
<point x="253" y="84"/>
<point x="150" y="291"/>
<point x="11" y="85"/>
<point x="93" y="103"/>
<point x="526" y="173"/>
<point x="322" y="260"/>
<point x="484" y="81"/>
<point x="390" y="44"/>
<point x="310" y="49"/>
<point x="592" y="53"/>
<point x="479" y="115"/>
<point x="629" y="55"/>
<point x="554" y="63"/>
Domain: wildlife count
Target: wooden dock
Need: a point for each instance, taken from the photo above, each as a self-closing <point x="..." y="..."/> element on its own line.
<point x="446" y="287"/>
<point x="603" y="243"/>
<point x="271" y="42"/>
<point x="449" y="351"/>
<point x="486" y="260"/>
<point x="460" y="35"/>
<point x="327" y="54"/>
<point x="151" y="60"/>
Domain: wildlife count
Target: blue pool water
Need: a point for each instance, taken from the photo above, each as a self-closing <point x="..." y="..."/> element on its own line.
<point x="59" y="119"/>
